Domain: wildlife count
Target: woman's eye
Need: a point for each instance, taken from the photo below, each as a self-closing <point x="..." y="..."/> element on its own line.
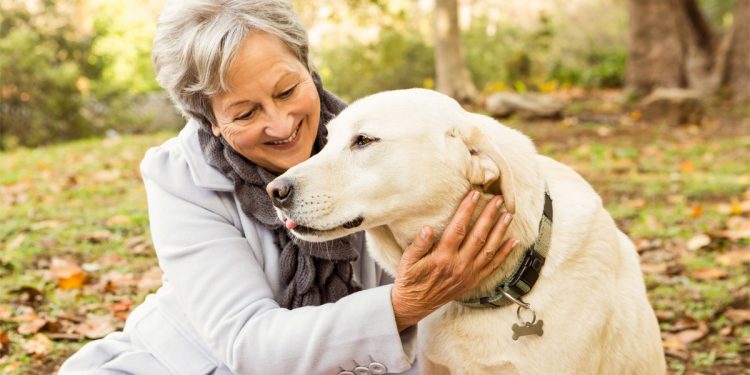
<point x="287" y="93"/>
<point x="247" y="115"/>
<point x="362" y="140"/>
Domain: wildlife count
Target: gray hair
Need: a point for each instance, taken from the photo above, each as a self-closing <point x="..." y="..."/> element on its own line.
<point x="196" y="42"/>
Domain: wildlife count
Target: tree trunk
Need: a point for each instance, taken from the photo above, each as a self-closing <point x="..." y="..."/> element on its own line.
<point x="672" y="45"/>
<point x="453" y="76"/>
<point x="738" y="60"/>
<point x="655" y="46"/>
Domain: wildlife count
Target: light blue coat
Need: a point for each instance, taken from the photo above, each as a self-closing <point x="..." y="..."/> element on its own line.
<point x="216" y="312"/>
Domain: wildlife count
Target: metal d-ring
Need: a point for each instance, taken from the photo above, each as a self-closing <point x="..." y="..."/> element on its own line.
<point x="533" y="316"/>
<point x="518" y="301"/>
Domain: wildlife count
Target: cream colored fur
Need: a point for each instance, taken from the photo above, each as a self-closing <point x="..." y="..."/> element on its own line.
<point x="429" y="152"/>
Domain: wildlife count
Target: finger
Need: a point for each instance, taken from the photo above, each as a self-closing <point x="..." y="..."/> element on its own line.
<point x="477" y="238"/>
<point x="499" y="257"/>
<point x="496" y="236"/>
<point x="419" y="248"/>
<point x="457" y="228"/>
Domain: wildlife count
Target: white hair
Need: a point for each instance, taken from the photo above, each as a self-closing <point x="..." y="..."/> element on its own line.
<point x="196" y="42"/>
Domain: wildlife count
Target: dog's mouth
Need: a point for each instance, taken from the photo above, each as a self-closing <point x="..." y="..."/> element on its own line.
<point x="306" y="230"/>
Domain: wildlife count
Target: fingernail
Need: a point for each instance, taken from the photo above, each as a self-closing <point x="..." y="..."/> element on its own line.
<point x="507" y="218"/>
<point x="515" y="242"/>
<point x="475" y="196"/>
<point x="499" y="202"/>
<point x="424" y="233"/>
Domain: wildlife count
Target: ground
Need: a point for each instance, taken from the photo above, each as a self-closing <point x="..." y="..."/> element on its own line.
<point x="76" y="254"/>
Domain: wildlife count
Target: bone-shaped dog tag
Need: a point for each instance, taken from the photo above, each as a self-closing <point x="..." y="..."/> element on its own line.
<point x="528" y="329"/>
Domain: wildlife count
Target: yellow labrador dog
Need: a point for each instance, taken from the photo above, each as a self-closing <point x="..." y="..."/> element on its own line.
<point x="570" y="298"/>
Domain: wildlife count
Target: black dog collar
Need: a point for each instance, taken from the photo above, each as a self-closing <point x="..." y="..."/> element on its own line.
<point x="519" y="283"/>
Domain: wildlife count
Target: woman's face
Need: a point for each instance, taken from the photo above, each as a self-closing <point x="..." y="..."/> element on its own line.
<point x="272" y="110"/>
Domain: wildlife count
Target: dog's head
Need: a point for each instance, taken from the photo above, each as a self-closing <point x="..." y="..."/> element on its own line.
<point x="401" y="159"/>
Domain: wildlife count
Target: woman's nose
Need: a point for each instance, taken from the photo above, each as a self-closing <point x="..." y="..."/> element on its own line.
<point x="280" y="124"/>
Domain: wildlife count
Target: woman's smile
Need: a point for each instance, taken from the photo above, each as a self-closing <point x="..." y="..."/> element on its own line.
<point x="288" y="143"/>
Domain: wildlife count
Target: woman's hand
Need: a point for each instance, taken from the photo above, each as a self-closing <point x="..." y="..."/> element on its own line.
<point x="429" y="277"/>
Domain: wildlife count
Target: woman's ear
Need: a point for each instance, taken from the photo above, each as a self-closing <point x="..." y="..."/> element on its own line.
<point x="215" y="130"/>
<point x="487" y="165"/>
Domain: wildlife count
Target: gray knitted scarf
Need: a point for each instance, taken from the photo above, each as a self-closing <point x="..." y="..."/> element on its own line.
<point x="311" y="273"/>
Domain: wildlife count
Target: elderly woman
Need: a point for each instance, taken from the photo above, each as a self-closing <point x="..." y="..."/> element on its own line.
<point x="240" y="294"/>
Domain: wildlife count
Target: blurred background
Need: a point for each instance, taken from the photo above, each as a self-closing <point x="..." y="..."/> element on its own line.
<point x="648" y="100"/>
<point x="78" y="68"/>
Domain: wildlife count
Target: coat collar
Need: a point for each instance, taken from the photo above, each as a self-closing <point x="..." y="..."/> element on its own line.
<point x="203" y="174"/>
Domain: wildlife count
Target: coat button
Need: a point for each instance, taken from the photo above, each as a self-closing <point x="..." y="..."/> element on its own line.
<point x="377" y="368"/>
<point x="346" y="373"/>
<point x="361" y="370"/>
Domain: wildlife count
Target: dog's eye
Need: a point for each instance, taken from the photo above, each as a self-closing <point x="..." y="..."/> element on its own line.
<point x="362" y="140"/>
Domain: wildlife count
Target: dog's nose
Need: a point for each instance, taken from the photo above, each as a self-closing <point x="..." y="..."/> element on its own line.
<point x="280" y="191"/>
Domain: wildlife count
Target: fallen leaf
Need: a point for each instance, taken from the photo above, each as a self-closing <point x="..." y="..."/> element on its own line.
<point x="5" y="313"/>
<point x="151" y="280"/>
<point x="107" y="175"/>
<point x="638" y="203"/>
<point x="733" y="235"/>
<point x="709" y="274"/>
<point x="31" y="326"/>
<point x="121" y="309"/>
<point x="95" y="237"/>
<point x="686" y="322"/>
<point x="664" y="316"/>
<point x="689" y="336"/>
<point x="69" y="274"/>
<point x="734" y="207"/>
<point x="111" y="260"/>
<point x="603" y="131"/>
<point x="734" y="258"/>
<point x="4" y="341"/>
<point x="696" y="211"/>
<point x="46" y="224"/>
<point x="113" y="281"/>
<point x="738" y="223"/>
<point x="138" y="245"/>
<point x="91" y="267"/>
<point x="737" y="316"/>
<point x="654" y="268"/>
<point x="646" y="244"/>
<point x="698" y="241"/>
<point x="117" y="220"/>
<point x="39" y="345"/>
<point x="96" y="326"/>
<point x="674" y="347"/>
<point x="687" y="166"/>
<point x="726" y="331"/>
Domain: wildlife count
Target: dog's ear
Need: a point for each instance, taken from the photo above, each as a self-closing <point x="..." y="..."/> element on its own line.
<point x="487" y="167"/>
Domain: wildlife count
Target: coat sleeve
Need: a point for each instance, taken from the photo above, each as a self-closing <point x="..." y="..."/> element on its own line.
<point x="225" y="294"/>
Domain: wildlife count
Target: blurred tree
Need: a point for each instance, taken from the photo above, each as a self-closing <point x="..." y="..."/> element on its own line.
<point x="452" y="74"/>
<point x="46" y="66"/>
<point x="674" y="45"/>
<point x="76" y="68"/>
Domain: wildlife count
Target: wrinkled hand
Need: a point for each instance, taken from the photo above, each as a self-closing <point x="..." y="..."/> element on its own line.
<point x="430" y="276"/>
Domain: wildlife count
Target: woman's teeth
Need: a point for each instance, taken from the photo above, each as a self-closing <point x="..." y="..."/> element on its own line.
<point x="290" y="139"/>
